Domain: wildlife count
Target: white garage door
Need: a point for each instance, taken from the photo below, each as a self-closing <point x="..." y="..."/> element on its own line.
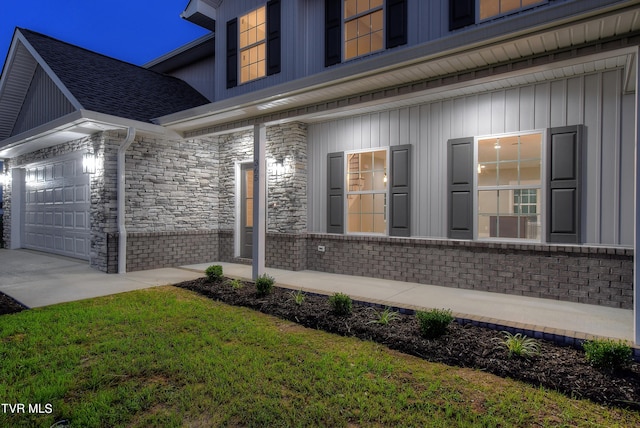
<point x="56" y="216"/>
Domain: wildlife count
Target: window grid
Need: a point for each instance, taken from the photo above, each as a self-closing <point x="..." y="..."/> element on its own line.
<point x="493" y="8"/>
<point x="363" y="27"/>
<point x="367" y="192"/>
<point x="253" y="30"/>
<point x="508" y="187"/>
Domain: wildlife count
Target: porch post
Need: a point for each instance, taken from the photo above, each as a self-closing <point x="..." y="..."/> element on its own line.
<point x="259" y="199"/>
<point x="636" y="240"/>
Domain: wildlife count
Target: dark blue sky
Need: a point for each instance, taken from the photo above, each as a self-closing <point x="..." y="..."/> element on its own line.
<point x="135" y="31"/>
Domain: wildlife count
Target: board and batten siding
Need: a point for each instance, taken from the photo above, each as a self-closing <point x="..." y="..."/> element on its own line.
<point x="199" y="76"/>
<point x="595" y="100"/>
<point x="43" y="103"/>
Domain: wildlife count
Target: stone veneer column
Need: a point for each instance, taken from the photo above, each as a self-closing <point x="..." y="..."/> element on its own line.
<point x="287" y="190"/>
<point x="286" y="194"/>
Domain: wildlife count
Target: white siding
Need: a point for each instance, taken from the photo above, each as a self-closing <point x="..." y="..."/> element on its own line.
<point x="594" y="100"/>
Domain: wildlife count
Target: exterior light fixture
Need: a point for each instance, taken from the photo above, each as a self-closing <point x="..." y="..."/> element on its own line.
<point x="5" y="179"/>
<point x="89" y="163"/>
<point x="384" y="179"/>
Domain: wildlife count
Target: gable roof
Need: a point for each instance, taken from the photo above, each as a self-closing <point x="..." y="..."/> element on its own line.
<point x="48" y="85"/>
<point x="107" y="85"/>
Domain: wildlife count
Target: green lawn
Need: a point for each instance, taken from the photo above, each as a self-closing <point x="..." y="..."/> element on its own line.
<point x="167" y="357"/>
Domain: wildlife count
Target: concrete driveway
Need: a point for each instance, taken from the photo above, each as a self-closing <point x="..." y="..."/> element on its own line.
<point x="39" y="279"/>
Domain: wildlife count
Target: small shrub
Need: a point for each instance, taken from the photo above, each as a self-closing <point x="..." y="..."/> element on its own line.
<point x="341" y="304"/>
<point x="298" y="297"/>
<point x="236" y="284"/>
<point x="214" y="273"/>
<point x="385" y="317"/>
<point x="264" y="284"/>
<point x="434" y="323"/>
<point x="520" y="345"/>
<point x="607" y="354"/>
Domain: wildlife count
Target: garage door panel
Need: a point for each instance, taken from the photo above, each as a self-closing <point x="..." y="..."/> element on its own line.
<point x="57" y="208"/>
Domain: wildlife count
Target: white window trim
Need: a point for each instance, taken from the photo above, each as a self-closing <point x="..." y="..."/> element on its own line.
<point x="347" y="193"/>
<point x="479" y="20"/>
<point x="543" y="186"/>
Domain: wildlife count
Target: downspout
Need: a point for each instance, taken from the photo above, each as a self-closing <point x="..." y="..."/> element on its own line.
<point x="122" y="231"/>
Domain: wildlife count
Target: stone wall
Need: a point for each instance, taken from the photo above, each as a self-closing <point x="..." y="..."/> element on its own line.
<point x="171" y="185"/>
<point x="582" y="274"/>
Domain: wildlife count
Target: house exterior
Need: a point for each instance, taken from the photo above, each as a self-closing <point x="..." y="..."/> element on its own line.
<point x="477" y="144"/>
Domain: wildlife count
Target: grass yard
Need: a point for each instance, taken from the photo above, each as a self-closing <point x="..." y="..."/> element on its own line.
<point x="168" y="357"/>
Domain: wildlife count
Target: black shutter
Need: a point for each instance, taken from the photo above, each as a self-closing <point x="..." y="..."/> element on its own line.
<point x="564" y="184"/>
<point x="335" y="193"/>
<point x="273" y="37"/>
<point x="232" y="53"/>
<point x="396" y="23"/>
<point x="400" y="173"/>
<point x="460" y="188"/>
<point x="332" y="32"/>
<point x="461" y="13"/>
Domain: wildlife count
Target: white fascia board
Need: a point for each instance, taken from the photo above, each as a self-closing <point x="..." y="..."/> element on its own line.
<point x="80" y="123"/>
<point x="7" y="64"/>
<point x="76" y="104"/>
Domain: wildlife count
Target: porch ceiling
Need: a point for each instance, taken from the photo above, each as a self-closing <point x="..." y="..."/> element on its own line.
<point x="423" y="73"/>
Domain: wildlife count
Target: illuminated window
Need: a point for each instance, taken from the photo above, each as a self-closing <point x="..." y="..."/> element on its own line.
<point x="367" y="192"/>
<point x="253" y="30"/>
<point x="491" y="8"/>
<point x="363" y="27"/>
<point x="509" y="188"/>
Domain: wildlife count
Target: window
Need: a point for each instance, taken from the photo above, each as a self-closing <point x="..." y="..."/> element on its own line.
<point x="492" y="8"/>
<point x="363" y="27"/>
<point x="354" y="28"/>
<point x="495" y="190"/>
<point x="253" y="45"/>
<point x="509" y="185"/>
<point x="367" y="192"/>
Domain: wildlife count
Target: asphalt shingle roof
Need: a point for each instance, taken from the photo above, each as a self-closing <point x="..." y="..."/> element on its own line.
<point x="110" y="86"/>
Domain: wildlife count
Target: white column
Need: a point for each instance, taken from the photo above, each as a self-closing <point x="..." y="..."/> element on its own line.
<point x="259" y="199"/>
<point x="636" y="264"/>
<point x="17" y="205"/>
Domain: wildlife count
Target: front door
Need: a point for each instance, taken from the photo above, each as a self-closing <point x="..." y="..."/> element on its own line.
<point x="246" y="211"/>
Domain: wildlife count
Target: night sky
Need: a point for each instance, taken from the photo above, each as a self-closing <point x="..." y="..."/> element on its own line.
<point x="135" y="31"/>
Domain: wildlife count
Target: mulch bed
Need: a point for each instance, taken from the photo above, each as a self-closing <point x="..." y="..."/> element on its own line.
<point x="559" y="368"/>
<point x="9" y="305"/>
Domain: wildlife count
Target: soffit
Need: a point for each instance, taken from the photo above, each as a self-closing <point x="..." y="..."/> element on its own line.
<point x="548" y="53"/>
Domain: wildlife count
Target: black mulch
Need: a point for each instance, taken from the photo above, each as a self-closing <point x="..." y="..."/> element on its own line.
<point x="557" y="367"/>
<point x="9" y="305"/>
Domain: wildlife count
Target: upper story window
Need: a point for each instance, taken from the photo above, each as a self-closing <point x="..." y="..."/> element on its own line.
<point x="253" y="45"/>
<point x="354" y="28"/>
<point x="363" y="27"/>
<point x="491" y="8"/>
<point x="468" y="12"/>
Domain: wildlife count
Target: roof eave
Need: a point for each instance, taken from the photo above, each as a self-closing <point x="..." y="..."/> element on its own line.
<point x="74" y="126"/>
